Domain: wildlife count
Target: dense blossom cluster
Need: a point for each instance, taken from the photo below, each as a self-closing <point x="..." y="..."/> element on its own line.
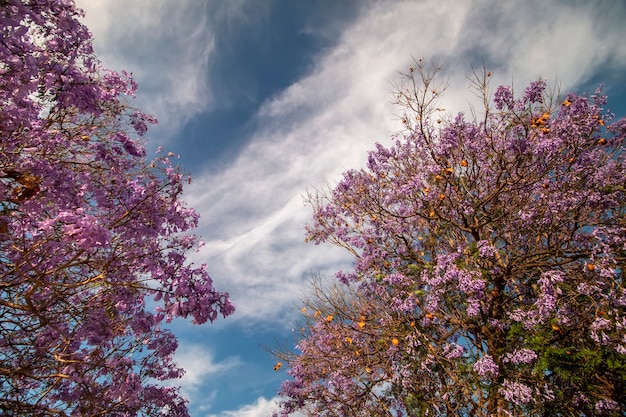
<point x="488" y="265"/>
<point x="88" y="230"/>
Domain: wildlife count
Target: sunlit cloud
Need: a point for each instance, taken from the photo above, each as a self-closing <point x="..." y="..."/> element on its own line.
<point x="169" y="49"/>
<point x="200" y="366"/>
<point x="262" y="407"/>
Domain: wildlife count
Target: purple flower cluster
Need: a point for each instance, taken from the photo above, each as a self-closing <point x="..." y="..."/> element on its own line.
<point x="486" y="367"/>
<point x="516" y="393"/>
<point x="607" y="406"/>
<point x="520" y="356"/>
<point x="453" y="351"/>
<point x="485" y="249"/>
<point x="503" y="97"/>
<point x="88" y="230"/>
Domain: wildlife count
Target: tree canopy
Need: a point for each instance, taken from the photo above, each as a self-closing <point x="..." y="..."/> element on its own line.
<point x="92" y="232"/>
<point x="488" y="264"/>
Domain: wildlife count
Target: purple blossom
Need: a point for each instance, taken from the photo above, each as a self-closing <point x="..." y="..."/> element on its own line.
<point x="470" y="283"/>
<point x="486" y="367"/>
<point x="473" y="307"/>
<point x="485" y="249"/>
<point x="517" y="315"/>
<point x="516" y="393"/>
<point x="516" y="357"/>
<point x="534" y="92"/>
<point x="546" y="302"/>
<point x="597" y="333"/>
<point x="503" y="97"/>
<point x="129" y="145"/>
<point x="453" y="351"/>
<point x="606" y="405"/>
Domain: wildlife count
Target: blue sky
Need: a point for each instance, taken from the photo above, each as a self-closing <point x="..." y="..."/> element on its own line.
<point x="266" y="99"/>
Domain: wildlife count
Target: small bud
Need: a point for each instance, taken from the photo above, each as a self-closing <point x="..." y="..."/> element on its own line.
<point x="395" y="341"/>
<point x="602" y="141"/>
<point x="463" y="163"/>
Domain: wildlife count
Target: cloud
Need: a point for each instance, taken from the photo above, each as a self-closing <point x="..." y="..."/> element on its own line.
<point x="260" y="408"/>
<point x="323" y="124"/>
<point x="200" y="366"/>
<point x="568" y="40"/>
<point x="169" y="47"/>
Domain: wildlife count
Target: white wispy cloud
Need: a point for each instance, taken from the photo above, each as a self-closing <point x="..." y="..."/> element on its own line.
<point x="262" y="407"/>
<point x="169" y="47"/>
<point x="200" y="365"/>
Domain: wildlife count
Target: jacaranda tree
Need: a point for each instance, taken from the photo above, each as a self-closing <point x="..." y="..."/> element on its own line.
<point x="90" y="231"/>
<point x="489" y="257"/>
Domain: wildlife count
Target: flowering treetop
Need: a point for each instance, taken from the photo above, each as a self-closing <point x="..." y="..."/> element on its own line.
<point x="488" y="264"/>
<point x="88" y="229"/>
